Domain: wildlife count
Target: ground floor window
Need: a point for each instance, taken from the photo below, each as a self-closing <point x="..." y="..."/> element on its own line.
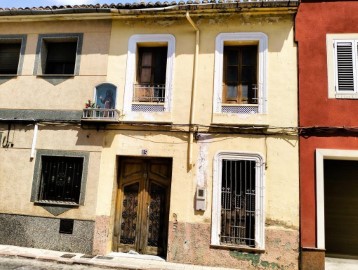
<point x="59" y="177"/>
<point x="238" y="198"/>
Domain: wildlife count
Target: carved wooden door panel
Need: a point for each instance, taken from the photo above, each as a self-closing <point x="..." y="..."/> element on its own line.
<point x="143" y="205"/>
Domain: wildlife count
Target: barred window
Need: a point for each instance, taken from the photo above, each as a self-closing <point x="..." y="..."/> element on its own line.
<point x="238" y="202"/>
<point x="60" y="178"/>
<point x="238" y="195"/>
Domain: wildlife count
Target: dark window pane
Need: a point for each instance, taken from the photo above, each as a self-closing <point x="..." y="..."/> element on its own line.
<point x="232" y="57"/>
<point x="61" y="178"/>
<point x="9" y="57"/>
<point x="232" y="74"/>
<point x="61" y="58"/>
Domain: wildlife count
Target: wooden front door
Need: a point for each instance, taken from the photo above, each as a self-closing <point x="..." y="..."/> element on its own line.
<point x="143" y="205"/>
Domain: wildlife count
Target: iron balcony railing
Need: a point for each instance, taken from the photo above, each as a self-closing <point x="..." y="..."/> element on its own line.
<point x="149" y="93"/>
<point x="99" y="114"/>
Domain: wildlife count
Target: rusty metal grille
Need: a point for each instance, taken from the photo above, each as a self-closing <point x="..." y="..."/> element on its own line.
<point x="149" y="93"/>
<point x="129" y="214"/>
<point x="156" y="215"/>
<point x="61" y="178"/>
<point x="238" y="202"/>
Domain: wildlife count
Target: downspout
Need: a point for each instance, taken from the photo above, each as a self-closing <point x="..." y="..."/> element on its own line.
<point x="192" y="107"/>
<point x="34" y="141"/>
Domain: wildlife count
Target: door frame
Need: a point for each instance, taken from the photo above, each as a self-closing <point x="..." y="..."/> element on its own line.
<point x="321" y="155"/>
<point x="119" y="198"/>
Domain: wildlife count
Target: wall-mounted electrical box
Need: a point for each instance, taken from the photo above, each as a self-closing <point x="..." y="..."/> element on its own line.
<point x="200" y="199"/>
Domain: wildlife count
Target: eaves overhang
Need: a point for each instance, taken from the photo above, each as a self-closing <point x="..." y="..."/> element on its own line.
<point x="154" y="10"/>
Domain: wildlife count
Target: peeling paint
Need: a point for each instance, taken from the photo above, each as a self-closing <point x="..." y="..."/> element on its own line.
<point x="202" y="164"/>
<point x="197" y="250"/>
<point x="273" y="222"/>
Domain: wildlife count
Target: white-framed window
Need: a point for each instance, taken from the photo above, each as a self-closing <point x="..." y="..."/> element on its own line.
<point x="149" y="74"/>
<point x="346" y="81"/>
<point x="240" y="83"/>
<point x="238" y="200"/>
<point x="342" y="57"/>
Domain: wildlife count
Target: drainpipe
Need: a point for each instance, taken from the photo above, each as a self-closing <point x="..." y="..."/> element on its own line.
<point x="192" y="107"/>
<point x="34" y="140"/>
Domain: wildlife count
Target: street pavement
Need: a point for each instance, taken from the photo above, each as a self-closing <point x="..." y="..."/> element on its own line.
<point x="23" y="258"/>
<point x="16" y="263"/>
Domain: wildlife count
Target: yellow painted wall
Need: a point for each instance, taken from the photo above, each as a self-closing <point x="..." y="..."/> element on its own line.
<point x="280" y="152"/>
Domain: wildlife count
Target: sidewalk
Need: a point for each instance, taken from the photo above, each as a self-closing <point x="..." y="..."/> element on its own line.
<point x="114" y="260"/>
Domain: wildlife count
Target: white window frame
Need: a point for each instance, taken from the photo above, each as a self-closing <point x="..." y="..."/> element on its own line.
<point x="262" y="40"/>
<point x="259" y="198"/>
<point x="321" y="155"/>
<point x="331" y="43"/>
<point x="132" y="65"/>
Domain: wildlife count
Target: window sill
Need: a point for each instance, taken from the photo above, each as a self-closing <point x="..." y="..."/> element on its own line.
<point x="57" y="203"/>
<point x="238" y="248"/>
<point x="346" y="96"/>
<point x="239" y="104"/>
<point x="56" y="75"/>
<point x="8" y="75"/>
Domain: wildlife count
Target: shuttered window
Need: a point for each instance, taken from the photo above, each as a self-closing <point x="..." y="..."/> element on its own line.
<point x="346" y="66"/>
<point x="9" y="57"/>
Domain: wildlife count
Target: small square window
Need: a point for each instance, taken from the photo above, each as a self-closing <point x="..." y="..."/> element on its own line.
<point x="12" y="49"/>
<point x="58" y="54"/>
<point x="60" y="178"/>
<point x="60" y="58"/>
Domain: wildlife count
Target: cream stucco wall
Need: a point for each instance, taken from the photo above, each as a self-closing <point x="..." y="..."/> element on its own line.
<point x="28" y="91"/>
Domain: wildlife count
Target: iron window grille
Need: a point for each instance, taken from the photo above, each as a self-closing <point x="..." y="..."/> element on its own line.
<point x="60" y="179"/>
<point x="238" y="202"/>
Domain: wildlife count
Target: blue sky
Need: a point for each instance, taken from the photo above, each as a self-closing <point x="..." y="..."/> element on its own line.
<point x="37" y="3"/>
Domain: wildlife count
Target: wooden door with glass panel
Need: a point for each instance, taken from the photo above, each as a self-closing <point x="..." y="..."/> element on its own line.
<point x="240" y="75"/>
<point x="143" y="205"/>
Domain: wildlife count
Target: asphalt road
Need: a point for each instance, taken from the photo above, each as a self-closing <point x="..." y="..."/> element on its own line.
<point x="14" y="263"/>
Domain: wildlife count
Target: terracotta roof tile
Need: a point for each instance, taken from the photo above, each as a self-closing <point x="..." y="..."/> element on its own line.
<point x="219" y="4"/>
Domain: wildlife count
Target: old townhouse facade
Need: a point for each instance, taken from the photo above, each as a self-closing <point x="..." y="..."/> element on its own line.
<point x="168" y="130"/>
<point x="327" y="44"/>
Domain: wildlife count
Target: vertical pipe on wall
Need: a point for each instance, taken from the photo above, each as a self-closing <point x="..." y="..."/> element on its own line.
<point x="192" y="107"/>
<point x="34" y="140"/>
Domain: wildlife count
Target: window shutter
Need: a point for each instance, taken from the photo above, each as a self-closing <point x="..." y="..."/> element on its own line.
<point x="146" y="68"/>
<point x="345" y="66"/>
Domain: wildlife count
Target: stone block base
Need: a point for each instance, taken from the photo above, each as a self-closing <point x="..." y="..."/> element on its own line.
<point x="312" y="259"/>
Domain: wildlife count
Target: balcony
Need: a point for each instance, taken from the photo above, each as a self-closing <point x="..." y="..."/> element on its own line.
<point x="100" y="115"/>
<point x="148" y="97"/>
